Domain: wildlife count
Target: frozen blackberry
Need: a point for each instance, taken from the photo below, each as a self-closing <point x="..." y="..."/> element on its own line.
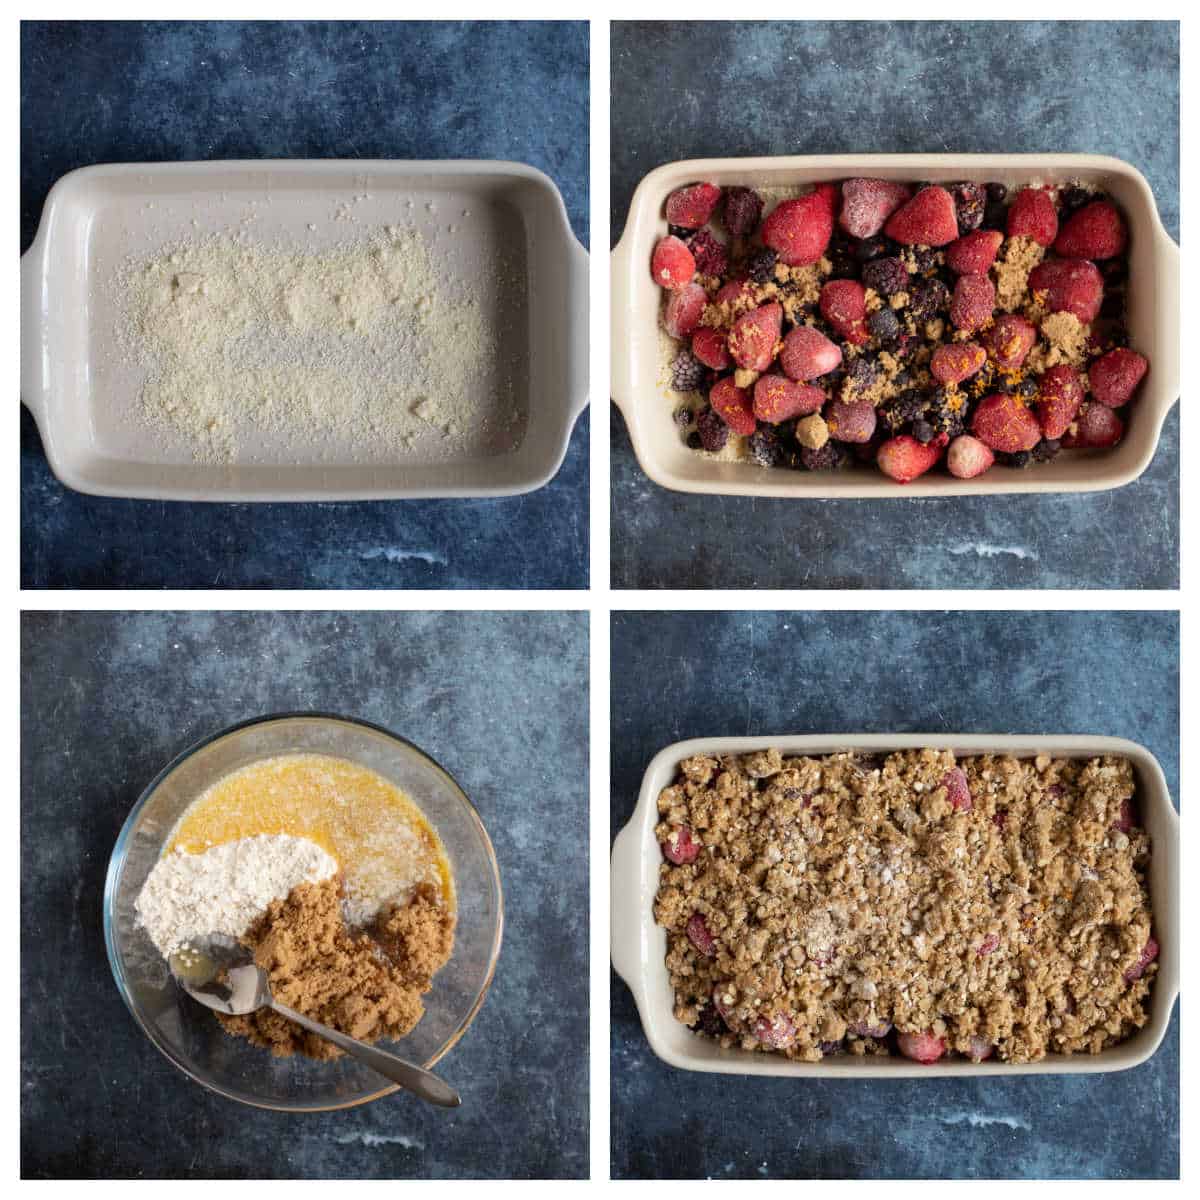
<point x="970" y="201"/>
<point x="830" y="456"/>
<point x="709" y="1022"/>
<point x="687" y="372"/>
<point x="884" y="325"/>
<point x="947" y="412"/>
<point x="887" y="276"/>
<point x="1026" y="389"/>
<point x="842" y="264"/>
<point x="865" y="249"/>
<point x="1021" y="459"/>
<point x="711" y="257"/>
<point x="1073" y="198"/>
<point x="862" y="370"/>
<point x="680" y="232"/>
<point x="765" y="448"/>
<point x="761" y="265"/>
<point x="924" y="259"/>
<point x="712" y="431"/>
<point x="928" y="298"/>
<point x="1046" y="450"/>
<point x="899" y="412"/>
<point x="923" y="431"/>
<point x="743" y="207"/>
<point x="694" y="441"/>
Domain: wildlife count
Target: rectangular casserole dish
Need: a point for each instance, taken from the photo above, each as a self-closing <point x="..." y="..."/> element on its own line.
<point x="96" y="216"/>
<point x="636" y="301"/>
<point x="639" y="945"/>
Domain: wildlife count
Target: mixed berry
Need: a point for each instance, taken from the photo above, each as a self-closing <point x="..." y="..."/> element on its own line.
<point x="907" y="325"/>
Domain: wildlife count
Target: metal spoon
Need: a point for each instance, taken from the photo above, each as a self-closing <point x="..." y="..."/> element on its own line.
<point x="247" y="988"/>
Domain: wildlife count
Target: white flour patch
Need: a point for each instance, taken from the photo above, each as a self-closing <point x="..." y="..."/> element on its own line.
<point x="984" y="550"/>
<point x="981" y="1121"/>
<point x="394" y="555"/>
<point x="379" y="1139"/>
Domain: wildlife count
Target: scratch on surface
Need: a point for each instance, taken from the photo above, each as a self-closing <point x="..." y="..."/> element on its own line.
<point x="395" y="555"/>
<point x="379" y="1139"/>
<point x="980" y="1121"/>
<point x="984" y="550"/>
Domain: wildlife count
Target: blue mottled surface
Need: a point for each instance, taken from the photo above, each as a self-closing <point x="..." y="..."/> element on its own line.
<point x="684" y="90"/>
<point x="134" y="92"/>
<point x="108" y="699"/>
<point x="706" y="674"/>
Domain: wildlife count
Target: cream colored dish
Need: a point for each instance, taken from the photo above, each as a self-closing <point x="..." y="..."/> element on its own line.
<point x="1153" y="319"/>
<point x="639" y="945"/>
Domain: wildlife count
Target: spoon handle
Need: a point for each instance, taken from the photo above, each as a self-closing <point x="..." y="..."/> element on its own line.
<point x="408" y="1075"/>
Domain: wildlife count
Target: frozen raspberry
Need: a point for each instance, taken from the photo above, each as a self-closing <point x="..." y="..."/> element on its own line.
<point x="921" y="1047"/>
<point x="903" y="458"/>
<point x="680" y="847"/>
<point x="708" y="345"/>
<point x="989" y="943"/>
<point x="699" y="936"/>
<point x="851" y="421"/>
<point x="957" y="791"/>
<point x="1148" y="955"/>
<point x="955" y="361"/>
<point x="734" y="292"/>
<point x="1068" y="285"/>
<point x="761" y="265"/>
<point x="974" y="253"/>
<point x="973" y="302"/>
<point x="684" y="309"/>
<point x="927" y="219"/>
<point x="733" y="405"/>
<point x="887" y="276"/>
<point x="1096" y="428"/>
<point x="1060" y="393"/>
<point x="1096" y="231"/>
<point x="691" y="206"/>
<point x="743" y="208"/>
<point x="713" y="432"/>
<point x="1003" y="423"/>
<point x="687" y="373"/>
<point x="1009" y="340"/>
<point x="970" y="200"/>
<point x="753" y="336"/>
<point x="672" y="264"/>
<point x="808" y="354"/>
<point x="1032" y="214"/>
<point x="979" y="1048"/>
<point x="867" y="204"/>
<point x="1114" y="377"/>
<point x="711" y="257"/>
<point x="800" y="229"/>
<point x="776" y="1031"/>
<point x="779" y="399"/>
<point x="844" y="306"/>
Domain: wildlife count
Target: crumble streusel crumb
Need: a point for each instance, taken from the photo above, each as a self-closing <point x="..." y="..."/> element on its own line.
<point x="983" y="906"/>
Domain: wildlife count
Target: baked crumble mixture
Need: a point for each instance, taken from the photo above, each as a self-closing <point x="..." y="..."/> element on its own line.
<point x="912" y="903"/>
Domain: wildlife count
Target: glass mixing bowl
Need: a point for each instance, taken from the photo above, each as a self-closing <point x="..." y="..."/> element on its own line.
<point x="189" y="1034"/>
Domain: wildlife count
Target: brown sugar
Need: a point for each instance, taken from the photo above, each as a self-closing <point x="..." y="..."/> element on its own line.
<point x="1020" y="255"/>
<point x="367" y="984"/>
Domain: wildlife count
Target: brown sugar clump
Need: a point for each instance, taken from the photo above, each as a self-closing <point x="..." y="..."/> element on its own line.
<point x="367" y="986"/>
<point x="1020" y="255"/>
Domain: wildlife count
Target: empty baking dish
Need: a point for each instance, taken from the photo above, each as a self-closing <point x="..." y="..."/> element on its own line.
<point x="639" y="945"/>
<point x="96" y="217"/>
<point x="1153" y="320"/>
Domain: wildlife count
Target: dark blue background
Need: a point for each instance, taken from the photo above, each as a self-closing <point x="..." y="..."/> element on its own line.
<point x="500" y="699"/>
<point x="690" y="90"/>
<point x="681" y="675"/>
<point x="133" y="92"/>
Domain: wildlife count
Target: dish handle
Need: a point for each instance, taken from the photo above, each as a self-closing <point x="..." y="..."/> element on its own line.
<point x="578" y="303"/>
<point x="34" y="374"/>
<point x="619" y="303"/>
<point x="1169" y="258"/>
<point x="627" y="920"/>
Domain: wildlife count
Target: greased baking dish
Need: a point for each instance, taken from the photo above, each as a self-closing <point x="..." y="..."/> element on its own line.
<point x="96" y="216"/>
<point x="639" y="945"/>
<point x="1153" y="318"/>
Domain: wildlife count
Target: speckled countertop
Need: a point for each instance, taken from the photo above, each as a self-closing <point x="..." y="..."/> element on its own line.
<point x="692" y="90"/>
<point x="108" y="699"/>
<point x="130" y="91"/>
<point x="680" y="675"/>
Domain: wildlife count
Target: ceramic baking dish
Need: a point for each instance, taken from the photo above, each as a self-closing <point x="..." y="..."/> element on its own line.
<point x="639" y="945"/>
<point x="636" y="301"/>
<point x="96" y="216"/>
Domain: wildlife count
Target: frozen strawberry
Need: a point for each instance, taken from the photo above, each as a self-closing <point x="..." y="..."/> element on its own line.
<point x="672" y="264"/>
<point x="989" y="943"/>
<point x="1071" y="285"/>
<point x="928" y="219"/>
<point x="1096" y="428"/>
<point x="680" y="847"/>
<point x="799" y="230"/>
<point x="968" y="457"/>
<point x="972" y="304"/>
<point x="844" y="305"/>
<point x="699" y="936"/>
<point x="979" y="1048"/>
<point x="1032" y="214"/>
<point x="779" y="399"/>
<point x="709" y="346"/>
<point x="1114" y="376"/>
<point x="733" y="291"/>
<point x="865" y="1029"/>
<point x="734" y="406"/>
<point x="1148" y="955"/>
<point x="851" y="421"/>
<point x="903" y="458"/>
<point x="1009" y="340"/>
<point x="692" y="206"/>
<point x="921" y="1047"/>
<point x="867" y="203"/>
<point x="776" y="1031"/>
<point x="974" y="253"/>
<point x="1060" y="393"/>
<point x="955" y="361"/>
<point x="684" y="310"/>
<point x="957" y="791"/>
<point x="808" y="354"/>
<point x="753" y="336"/>
<point x="1002" y="422"/>
<point x="1095" y="231"/>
